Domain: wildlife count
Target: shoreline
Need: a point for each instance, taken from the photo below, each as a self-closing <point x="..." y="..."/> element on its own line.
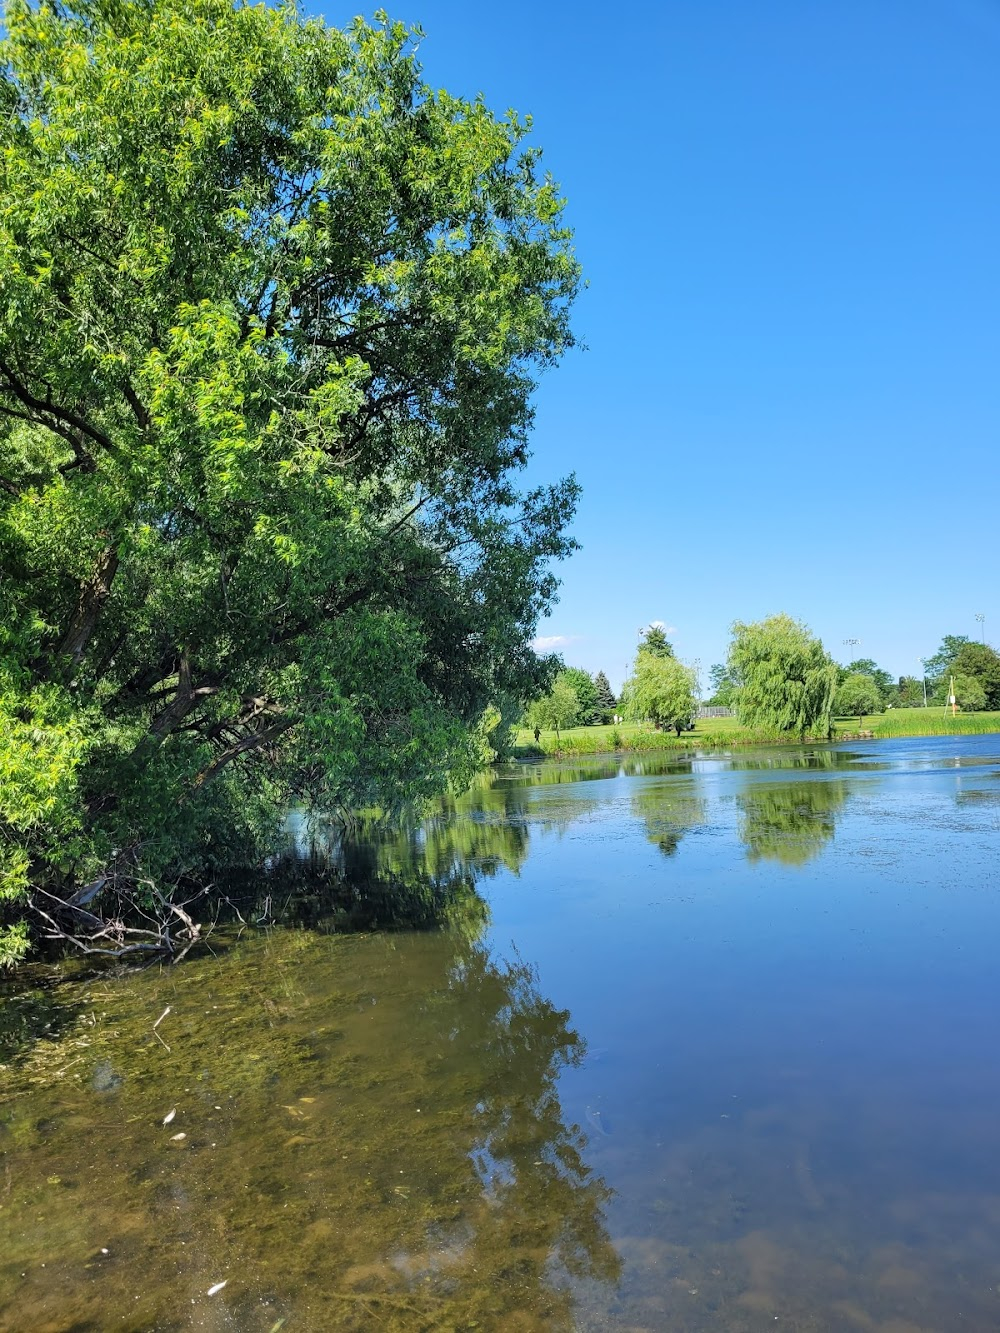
<point x="731" y="740"/>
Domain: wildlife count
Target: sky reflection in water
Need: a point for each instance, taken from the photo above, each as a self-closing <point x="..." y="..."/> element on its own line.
<point x="705" y="1044"/>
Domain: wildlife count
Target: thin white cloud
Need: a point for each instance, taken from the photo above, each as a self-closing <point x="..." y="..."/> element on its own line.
<point x="548" y="643"/>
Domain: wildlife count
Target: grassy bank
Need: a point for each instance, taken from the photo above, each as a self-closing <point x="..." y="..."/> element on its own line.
<point x="925" y="722"/>
<point x="724" y="732"/>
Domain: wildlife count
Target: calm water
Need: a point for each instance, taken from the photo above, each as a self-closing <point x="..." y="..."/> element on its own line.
<point x="702" y="1044"/>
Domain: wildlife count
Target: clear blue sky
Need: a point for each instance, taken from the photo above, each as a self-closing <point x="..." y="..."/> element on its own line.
<point x="788" y="212"/>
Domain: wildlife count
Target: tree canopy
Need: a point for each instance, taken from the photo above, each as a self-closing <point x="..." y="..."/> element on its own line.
<point x="558" y="709"/>
<point x="271" y="313"/>
<point x="867" y="666"/>
<point x="722" y="685"/>
<point x="785" y="679"/>
<point x="981" y="663"/>
<point x="938" y="666"/>
<point x="588" y="711"/>
<point x="957" y="656"/>
<point x="606" y="700"/>
<point x="970" y="694"/>
<point x="909" y="692"/>
<point x="653" y="640"/>
<point x="660" y="690"/>
<point x="858" y="694"/>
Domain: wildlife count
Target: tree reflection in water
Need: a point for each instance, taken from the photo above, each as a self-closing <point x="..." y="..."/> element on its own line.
<point x="789" y="822"/>
<point x="669" y="810"/>
<point x="413" y="874"/>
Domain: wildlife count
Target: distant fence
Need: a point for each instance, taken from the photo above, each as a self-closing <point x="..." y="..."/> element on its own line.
<point x="714" y="712"/>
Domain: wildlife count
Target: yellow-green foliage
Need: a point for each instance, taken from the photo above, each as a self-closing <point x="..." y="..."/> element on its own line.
<point x="261" y="531"/>
<point x="786" y="681"/>
<point x="41" y="745"/>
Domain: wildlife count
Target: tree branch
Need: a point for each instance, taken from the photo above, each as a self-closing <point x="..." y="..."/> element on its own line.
<point x="255" y="741"/>
<point x="46" y="411"/>
<point x="139" y="411"/>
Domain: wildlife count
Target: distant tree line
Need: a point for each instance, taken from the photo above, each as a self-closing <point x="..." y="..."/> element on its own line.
<point x="660" y="690"/>
<point x="778" y="675"/>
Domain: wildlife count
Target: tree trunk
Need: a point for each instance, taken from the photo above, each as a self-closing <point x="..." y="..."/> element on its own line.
<point x="93" y="595"/>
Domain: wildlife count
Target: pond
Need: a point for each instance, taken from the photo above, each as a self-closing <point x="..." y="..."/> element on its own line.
<point x="674" y="1043"/>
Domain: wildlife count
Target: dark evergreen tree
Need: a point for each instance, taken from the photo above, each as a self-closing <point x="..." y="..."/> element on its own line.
<point x="655" y="642"/>
<point x="606" y="700"/>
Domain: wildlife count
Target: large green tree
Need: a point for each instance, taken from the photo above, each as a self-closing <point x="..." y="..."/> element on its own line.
<point x="653" y="640"/>
<point x="867" y="666"/>
<point x="722" y="685"/>
<point x="589" y="707"/>
<point x="858" y="694"/>
<point x="558" y="709"/>
<point x="660" y="690"/>
<point x="970" y="694"/>
<point x="786" y="681"/>
<point x="909" y="692"/>
<point x="982" y="663"/>
<point x="938" y="667"/>
<point x="271" y="312"/>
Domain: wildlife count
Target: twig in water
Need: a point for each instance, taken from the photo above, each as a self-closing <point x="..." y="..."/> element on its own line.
<point x="157" y="1024"/>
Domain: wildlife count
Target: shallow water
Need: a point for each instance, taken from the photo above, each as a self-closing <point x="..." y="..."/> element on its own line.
<point x="705" y="1043"/>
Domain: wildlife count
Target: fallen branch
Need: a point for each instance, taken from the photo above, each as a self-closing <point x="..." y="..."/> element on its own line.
<point x="170" y="932"/>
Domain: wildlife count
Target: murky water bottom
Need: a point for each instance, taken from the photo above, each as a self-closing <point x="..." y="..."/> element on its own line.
<point x="725" y="1057"/>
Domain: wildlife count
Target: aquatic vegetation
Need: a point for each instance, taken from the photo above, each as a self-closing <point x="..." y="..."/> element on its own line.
<point x="436" y="1181"/>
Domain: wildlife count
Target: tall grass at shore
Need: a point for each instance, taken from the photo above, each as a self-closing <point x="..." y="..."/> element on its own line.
<point x="932" y="722"/>
<point x="726" y="732"/>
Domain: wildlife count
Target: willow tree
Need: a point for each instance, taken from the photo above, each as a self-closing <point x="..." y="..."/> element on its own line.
<point x="271" y="313"/>
<point x="660" y="690"/>
<point x="785" y="680"/>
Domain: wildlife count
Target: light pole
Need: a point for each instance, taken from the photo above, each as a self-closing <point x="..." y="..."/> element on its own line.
<point x="852" y="643"/>
<point x="982" y="623"/>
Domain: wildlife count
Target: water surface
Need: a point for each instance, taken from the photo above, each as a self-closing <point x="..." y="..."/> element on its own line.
<point x="679" y="1044"/>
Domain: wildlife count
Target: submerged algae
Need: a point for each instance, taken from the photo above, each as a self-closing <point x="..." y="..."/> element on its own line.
<point x="372" y="1133"/>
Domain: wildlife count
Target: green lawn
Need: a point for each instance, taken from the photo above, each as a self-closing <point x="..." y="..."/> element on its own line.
<point x="723" y="731"/>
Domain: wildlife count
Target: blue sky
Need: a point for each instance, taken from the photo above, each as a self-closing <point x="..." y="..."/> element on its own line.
<point x="789" y="217"/>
